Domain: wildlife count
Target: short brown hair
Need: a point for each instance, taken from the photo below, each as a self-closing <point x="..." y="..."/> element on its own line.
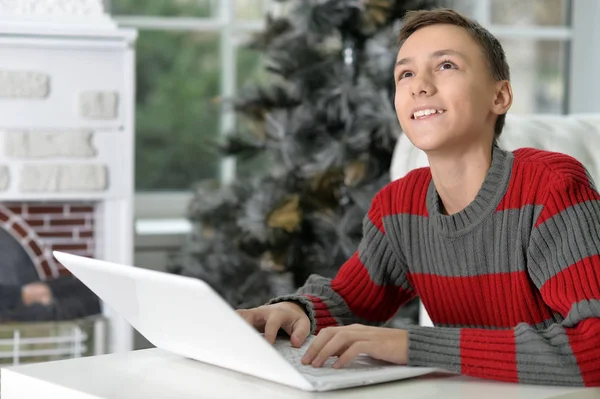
<point x="492" y="50"/>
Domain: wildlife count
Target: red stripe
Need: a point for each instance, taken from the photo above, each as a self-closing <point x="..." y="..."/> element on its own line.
<point x="407" y="195"/>
<point x="557" y="163"/>
<point x="476" y="347"/>
<point x="366" y="299"/>
<point x="566" y="167"/>
<point x="576" y="283"/>
<point x="546" y="169"/>
<point x="322" y="314"/>
<point x="476" y="300"/>
<point x="520" y="191"/>
<point x="585" y="343"/>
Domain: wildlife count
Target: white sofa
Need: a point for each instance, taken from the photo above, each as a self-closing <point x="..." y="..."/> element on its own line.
<point x="576" y="135"/>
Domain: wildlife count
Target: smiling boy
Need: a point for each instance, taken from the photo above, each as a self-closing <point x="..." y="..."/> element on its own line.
<point x="502" y="248"/>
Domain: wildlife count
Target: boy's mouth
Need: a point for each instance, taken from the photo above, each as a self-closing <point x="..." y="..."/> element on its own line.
<point x="426" y="113"/>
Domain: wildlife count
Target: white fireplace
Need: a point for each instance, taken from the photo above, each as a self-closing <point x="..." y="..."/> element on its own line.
<point x="67" y="135"/>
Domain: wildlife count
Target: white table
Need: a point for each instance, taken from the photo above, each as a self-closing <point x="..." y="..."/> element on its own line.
<point x="154" y="373"/>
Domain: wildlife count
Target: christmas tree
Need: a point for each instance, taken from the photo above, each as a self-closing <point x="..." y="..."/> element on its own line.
<point x="327" y="123"/>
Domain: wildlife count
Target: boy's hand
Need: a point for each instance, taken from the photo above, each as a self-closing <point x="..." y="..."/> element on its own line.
<point x="269" y="319"/>
<point x="347" y="342"/>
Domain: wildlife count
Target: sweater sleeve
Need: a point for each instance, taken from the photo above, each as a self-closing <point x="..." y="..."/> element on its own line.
<point x="564" y="264"/>
<point x="369" y="288"/>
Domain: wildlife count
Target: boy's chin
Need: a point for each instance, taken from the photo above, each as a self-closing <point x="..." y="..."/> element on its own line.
<point x="429" y="143"/>
<point x="432" y="149"/>
<point x="440" y="141"/>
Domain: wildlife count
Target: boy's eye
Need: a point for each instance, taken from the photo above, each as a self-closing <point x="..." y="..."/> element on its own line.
<point x="447" y="65"/>
<point x="406" y="74"/>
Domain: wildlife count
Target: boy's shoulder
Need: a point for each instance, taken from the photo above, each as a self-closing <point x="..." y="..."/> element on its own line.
<point x="531" y="166"/>
<point x="408" y="193"/>
<point x="550" y="165"/>
<point x="414" y="178"/>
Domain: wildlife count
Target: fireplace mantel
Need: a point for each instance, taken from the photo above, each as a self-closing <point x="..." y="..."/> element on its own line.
<point x="62" y="17"/>
<point x="67" y="122"/>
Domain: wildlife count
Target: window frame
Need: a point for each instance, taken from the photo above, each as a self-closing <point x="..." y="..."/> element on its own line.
<point x="483" y="14"/>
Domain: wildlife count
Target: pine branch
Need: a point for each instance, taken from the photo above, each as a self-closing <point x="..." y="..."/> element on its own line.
<point x="327" y="120"/>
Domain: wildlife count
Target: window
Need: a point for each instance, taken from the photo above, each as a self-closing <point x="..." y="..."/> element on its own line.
<point x="183" y="81"/>
<point x="177" y="112"/>
<point x="535" y="35"/>
<point x="190" y="59"/>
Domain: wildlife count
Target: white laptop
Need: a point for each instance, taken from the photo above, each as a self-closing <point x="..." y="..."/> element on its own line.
<point x="187" y="317"/>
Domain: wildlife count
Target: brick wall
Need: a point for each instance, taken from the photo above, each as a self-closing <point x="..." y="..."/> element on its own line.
<point x="44" y="227"/>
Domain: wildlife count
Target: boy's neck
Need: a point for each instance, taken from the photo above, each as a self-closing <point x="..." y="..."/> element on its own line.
<point x="459" y="174"/>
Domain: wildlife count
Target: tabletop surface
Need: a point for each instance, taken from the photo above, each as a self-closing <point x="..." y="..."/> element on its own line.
<point x="154" y="374"/>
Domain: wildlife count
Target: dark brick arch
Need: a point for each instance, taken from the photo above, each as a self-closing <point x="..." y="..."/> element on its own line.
<point x="20" y="230"/>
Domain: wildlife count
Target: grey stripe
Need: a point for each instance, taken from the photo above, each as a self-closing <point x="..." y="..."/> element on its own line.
<point x="552" y="379"/>
<point x="434" y="347"/>
<point x="545" y="355"/>
<point x="555" y="319"/>
<point x="336" y="305"/>
<point x="564" y="239"/>
<point x="489" y="196"/>
<point x="582" y="310"/>
<point x="395" y="232"/>
<point x="379" y="259"/>
<point x="497" y="246"/>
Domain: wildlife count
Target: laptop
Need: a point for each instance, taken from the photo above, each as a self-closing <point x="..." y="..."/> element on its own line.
<point x="187" y="317"/>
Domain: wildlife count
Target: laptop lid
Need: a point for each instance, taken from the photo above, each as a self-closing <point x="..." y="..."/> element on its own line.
<point x="183" y="315"/>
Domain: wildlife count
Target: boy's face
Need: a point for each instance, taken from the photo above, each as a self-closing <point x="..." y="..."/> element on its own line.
<point x="441" y="68"/>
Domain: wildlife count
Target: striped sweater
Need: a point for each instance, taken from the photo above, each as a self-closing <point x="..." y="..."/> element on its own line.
<point x="511" y="282"/>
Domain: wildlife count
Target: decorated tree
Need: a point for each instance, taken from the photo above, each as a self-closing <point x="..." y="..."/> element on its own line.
<point x="324" y="126"/>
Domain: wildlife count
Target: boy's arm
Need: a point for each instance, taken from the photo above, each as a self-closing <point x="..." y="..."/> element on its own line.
<point x="564" y="264"/>
<point x="369" y="288"/>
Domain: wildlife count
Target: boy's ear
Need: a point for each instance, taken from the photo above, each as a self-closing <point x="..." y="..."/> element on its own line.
<point x="503" y="98"/>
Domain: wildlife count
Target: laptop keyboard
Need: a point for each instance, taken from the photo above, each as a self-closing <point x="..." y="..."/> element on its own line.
<point x="294" y="355"/>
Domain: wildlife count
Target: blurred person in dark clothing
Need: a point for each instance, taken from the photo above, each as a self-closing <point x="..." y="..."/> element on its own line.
<point x="24" y="297"/>
<point x="62" y="298"/>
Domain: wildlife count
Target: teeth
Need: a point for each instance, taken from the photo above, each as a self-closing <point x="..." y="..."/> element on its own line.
<point x="426" y="112"/>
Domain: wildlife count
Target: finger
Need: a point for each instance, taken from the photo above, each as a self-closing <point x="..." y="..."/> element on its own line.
<point x="272" y="327"/>
<point x="353" y="350"/>
<point x="300" y="331"/>
<point x="315" y="347"/>
<point x="247" y="315"/>
<point x="255" y="317"/>
<point x="338" y="344"/>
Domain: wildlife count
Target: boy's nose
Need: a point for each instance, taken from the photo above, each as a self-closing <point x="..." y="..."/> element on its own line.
<point x="422" y="86"/>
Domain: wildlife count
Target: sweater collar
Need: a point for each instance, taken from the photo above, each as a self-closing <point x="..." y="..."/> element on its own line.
<point x="489" y="196"/>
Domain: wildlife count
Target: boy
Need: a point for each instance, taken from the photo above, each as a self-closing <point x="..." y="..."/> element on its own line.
<point x="502" y="248"/>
